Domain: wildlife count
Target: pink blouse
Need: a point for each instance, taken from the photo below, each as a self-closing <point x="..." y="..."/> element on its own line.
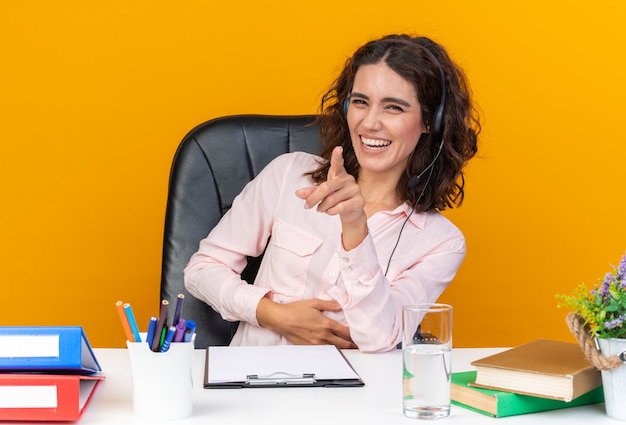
<point x="305" y="259"/>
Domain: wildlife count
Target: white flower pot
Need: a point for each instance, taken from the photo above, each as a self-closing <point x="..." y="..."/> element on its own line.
<point x="614" y="380"/>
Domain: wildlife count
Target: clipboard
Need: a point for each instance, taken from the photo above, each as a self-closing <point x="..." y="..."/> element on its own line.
<point x="278" y="366"/>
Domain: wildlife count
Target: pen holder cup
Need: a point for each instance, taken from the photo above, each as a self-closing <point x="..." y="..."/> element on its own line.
<point x="162" y="382"/>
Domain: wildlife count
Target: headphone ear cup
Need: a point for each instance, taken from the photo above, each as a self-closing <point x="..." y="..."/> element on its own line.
<point x="437" y="127"/>
<point x="438" y="120"/>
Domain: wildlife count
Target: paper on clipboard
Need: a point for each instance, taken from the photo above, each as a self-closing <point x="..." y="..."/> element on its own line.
<point x="234" y="365"/>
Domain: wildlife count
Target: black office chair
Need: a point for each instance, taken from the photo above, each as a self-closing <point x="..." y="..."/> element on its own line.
<point x="211" y="166"/>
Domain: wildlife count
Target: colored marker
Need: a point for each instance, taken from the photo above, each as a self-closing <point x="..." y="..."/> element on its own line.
<point x="162" y="338"/>
<point x="131" y="322"/>
<point x="168" y="339"/>
<point x="152" y="330"/>
<point x="190" y="328"/>
<point x="180" y="331"/>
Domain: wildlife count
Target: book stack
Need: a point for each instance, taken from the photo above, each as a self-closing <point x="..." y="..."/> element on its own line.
<point x="538" y="376"/>
<point x="46" y="373"/>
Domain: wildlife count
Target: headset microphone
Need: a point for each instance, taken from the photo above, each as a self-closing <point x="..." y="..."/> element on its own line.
<point x="414" y="180"/>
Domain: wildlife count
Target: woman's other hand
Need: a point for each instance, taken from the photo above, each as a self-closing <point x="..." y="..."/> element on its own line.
<point x="303" y="322"/>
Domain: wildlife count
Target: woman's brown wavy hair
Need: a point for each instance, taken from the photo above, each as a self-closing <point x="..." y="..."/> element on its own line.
<point x="408" y="57"/>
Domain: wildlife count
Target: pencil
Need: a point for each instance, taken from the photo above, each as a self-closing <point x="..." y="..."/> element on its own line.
<point x="161" y="324"/>
<point x="120" y="309"/>
<point x="179" y="307"/>
<point x="131" y="322"/>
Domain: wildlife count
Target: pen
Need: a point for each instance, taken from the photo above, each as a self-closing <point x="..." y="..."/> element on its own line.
<point x="151" y="330"/>
<point x="161" y="325"/>
<point x="190" y="328"/>
<point x="162" y="337"/>
<point x="168" y="339"/>
<point x="179" y="307"/>
<point x="131" y="322"/>
<point x="180" y="330"/>
<point x="120" y="309"/>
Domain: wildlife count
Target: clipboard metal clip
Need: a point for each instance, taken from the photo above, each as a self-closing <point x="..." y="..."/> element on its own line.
<point x="281" y="378"/>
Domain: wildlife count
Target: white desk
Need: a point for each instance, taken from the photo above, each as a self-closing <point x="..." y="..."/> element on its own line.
<point x="378" y="402"/>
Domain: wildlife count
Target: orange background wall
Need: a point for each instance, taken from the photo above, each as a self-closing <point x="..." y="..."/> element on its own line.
<point x="95" y="97"/>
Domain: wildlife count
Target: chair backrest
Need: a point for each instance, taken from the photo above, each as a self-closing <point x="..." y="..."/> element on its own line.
<point x="211" y="166"/>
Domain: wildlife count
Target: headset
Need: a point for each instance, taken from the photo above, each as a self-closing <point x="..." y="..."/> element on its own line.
<point x="437" y="130"/>
<point x="437" y="127"/>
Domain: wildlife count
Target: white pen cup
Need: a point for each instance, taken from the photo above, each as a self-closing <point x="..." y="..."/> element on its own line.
<point x="162" y="382"/>
<point x="427" y="351"/>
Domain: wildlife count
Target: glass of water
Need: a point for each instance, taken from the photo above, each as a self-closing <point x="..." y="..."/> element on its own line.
<point x="427" y="352"/>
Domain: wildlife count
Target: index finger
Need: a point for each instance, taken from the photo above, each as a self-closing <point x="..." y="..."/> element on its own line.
<point x="336" y="163"/>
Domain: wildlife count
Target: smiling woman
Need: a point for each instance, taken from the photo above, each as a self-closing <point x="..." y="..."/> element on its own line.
<point x="385" y="124"/>
<point x="382" y="123"/>
<point x="426" y="81"/>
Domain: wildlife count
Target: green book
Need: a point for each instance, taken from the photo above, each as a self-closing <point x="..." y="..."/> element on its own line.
<point x="499" y="404"/>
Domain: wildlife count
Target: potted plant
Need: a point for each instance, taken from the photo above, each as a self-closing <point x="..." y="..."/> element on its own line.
<point x="598" y="321"/>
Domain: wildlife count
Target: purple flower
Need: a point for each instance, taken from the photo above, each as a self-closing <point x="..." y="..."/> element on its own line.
<point x="621" y="271"/>
<point x="606" y="283"/>
<point x="617" y="322"/>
